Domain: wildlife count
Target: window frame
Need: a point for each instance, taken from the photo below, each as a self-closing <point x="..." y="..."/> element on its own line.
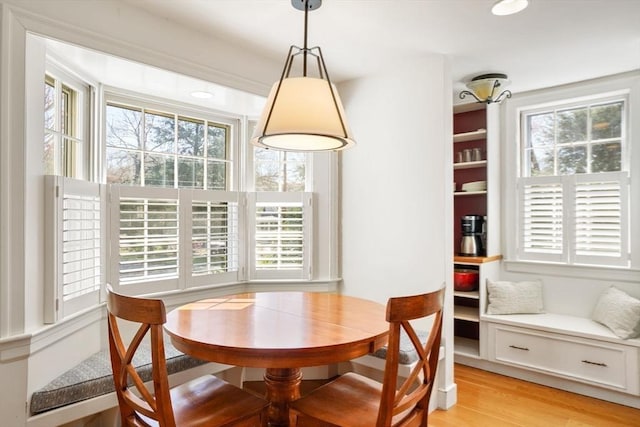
<point x="126" y="99"/>
<point x="76" y="163"/>
<point x="569" y="105"/>
<point x="626" y="84"/>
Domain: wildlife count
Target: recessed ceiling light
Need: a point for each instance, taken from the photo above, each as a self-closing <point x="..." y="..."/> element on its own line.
<point x="201" y="94"/>
<point x="509" y="7"/>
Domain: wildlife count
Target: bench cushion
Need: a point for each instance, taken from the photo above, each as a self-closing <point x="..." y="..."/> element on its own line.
<point x="408" y="353"/>
<point x="93" y="377"/>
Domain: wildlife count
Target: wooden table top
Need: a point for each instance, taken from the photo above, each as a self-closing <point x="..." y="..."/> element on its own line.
<point x="278" y="329"/>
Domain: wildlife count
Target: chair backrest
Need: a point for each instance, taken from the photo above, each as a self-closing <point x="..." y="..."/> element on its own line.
<point x="411" y="397"/>
<point x="133" y="396"/>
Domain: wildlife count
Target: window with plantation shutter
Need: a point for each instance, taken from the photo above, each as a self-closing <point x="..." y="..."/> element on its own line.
<point x="74" y="238"/>
<point x="574" y="184"/>
<point x="281" y="232"/>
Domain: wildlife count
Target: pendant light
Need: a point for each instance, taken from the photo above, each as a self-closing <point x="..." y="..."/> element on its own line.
<point x="303" y="113"/>
<point x="484" y="88"/>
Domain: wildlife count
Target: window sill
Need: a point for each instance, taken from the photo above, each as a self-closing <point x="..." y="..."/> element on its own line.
<point x="577" y="271"/>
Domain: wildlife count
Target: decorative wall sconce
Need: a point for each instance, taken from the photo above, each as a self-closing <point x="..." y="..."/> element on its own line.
<point x="303" y="113"/>
<point x="484" y="88"/>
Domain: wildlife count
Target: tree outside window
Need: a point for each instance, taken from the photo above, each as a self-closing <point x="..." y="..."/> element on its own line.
<point x="151" y="148"/>
<point x="585" y="139"/>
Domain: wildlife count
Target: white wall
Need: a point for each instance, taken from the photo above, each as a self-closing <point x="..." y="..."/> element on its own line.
<point x="396" y="205"/>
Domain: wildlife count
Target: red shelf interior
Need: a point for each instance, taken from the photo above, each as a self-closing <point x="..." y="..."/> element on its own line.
<point x="474" y="204"/>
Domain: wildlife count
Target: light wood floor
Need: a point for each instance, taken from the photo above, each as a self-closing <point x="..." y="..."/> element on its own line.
<point x="486" y="399"/>
<point x="490" y="400"/>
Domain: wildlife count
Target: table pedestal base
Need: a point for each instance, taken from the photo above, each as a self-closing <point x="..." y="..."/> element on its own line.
<point x="283" y="386"/>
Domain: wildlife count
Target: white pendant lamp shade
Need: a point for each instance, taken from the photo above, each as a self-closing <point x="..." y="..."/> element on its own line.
<point x="303" y="113"/>
<point x="308" y="116"/>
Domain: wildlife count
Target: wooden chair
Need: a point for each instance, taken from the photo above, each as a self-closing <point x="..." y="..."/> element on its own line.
<point x="205" y="401"/>
<point x="353" y="400"/>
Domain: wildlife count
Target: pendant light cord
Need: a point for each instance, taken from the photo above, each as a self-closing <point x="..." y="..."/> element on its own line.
<point x="304" y="52"/>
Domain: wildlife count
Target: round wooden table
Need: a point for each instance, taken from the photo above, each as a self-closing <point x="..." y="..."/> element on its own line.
<point x="279" y="331"/>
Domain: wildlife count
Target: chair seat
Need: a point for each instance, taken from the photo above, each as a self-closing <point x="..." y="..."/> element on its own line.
<point x="210" y="401"/>
<point x="340" y="395"/>
<point x="407" y="354"/>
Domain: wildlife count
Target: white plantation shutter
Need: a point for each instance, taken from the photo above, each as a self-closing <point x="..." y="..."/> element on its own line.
<point x="281" y="231"/>
<point x="541" y="220"/>
<point x="74" y="268"/>
<point x="213" y="233"/>
<point x="601" y="215"/>
<point x="576" y="219"/>
<point x="145" y="238"/>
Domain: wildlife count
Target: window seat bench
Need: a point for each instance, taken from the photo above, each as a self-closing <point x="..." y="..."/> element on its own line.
<point x="566" y="347"/>
<point x="88" y="387"/>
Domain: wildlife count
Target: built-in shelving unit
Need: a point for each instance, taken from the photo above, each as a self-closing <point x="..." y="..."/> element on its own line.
<point x="470" y="305"/>
<point x="475" y="129"/>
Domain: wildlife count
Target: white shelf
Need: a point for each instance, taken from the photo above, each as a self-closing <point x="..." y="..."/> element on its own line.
<point x="467" y="294"/>
<point x="470" y="165"/>
<point x="467" y="347"/>
<point x="470" y="314"/>
<point x="470" y="136"/>
<point x="469" y="193"/>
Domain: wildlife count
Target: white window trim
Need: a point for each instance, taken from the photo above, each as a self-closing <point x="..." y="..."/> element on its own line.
<point x="627" y="83"/>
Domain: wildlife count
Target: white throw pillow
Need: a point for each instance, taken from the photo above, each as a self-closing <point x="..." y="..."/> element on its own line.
<point x="618" y="311"/>
<point x="514" y="297"/>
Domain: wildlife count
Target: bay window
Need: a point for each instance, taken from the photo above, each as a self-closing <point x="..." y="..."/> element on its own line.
<point x="172" y="212"/>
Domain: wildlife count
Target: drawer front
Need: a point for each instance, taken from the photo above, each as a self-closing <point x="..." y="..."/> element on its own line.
<point x="591" y="361"/>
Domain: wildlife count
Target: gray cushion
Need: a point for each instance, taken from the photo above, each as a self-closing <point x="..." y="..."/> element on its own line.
<point x="92" y="377"/>
<point x="408" y="353"/>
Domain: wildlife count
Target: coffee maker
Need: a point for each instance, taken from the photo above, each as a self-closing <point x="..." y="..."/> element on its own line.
<point x="471" y="243"/>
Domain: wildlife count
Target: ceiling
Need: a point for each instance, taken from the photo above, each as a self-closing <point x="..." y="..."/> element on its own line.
<point x="552" y="42"/>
